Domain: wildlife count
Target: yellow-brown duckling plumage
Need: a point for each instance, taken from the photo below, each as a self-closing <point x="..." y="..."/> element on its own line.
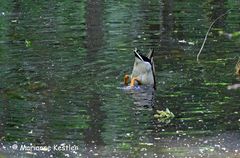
<point x="237" y="67"/>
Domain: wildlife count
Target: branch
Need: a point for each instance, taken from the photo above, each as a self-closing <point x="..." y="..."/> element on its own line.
<point x="205" y="39"/>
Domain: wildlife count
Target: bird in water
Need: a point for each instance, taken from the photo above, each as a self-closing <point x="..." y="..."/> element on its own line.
<point x="143" y="72"/>
<point x="237" y="67"/>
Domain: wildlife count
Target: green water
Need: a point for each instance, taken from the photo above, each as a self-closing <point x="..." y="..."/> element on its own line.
<point x="62" y="65"/>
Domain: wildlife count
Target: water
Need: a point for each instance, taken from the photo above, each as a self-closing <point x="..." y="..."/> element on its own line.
<point x="62" y="68"/>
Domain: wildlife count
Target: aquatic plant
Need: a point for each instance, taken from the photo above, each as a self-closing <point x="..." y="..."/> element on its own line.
<point x="164" y="116"/>
<point x="34" y="86"/>
<point x="28" y="43"/>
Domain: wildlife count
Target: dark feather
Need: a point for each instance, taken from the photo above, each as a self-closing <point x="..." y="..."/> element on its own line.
<point x="141" y="57"/>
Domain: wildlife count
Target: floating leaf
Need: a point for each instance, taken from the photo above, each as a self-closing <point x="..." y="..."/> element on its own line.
<point x="35" y="86"/>
<point x="236" y="34"/>
<point x="28" y="43"/>
<point x="124" y="146"/>
<point x="14" y="94"/>
<point x="164" y="116"/>
<point x="146" y="144"/>
<point x="215" y="84"/>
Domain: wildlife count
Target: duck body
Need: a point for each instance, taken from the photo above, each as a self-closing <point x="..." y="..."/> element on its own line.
<point x="143" y="70"/>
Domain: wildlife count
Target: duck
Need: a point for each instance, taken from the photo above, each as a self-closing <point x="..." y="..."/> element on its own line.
<point x="237" y="67"/>
<point x="143" y="72"/>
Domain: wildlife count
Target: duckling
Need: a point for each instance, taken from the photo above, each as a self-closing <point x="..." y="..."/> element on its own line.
<point x="237" y="67"/>
<point x="143" y="70"/>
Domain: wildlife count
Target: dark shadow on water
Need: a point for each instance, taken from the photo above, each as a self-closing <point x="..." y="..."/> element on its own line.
<point x="94" y="41"/>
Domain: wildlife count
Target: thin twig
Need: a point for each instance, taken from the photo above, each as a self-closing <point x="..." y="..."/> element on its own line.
<point x="205" y="39"/>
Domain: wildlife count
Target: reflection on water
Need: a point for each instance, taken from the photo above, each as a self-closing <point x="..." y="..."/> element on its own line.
<point x="62" y="64"/>
<point x="143" y="95"/>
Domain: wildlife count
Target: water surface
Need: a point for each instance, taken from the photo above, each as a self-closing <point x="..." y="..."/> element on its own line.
<point x="62" y="67"/>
